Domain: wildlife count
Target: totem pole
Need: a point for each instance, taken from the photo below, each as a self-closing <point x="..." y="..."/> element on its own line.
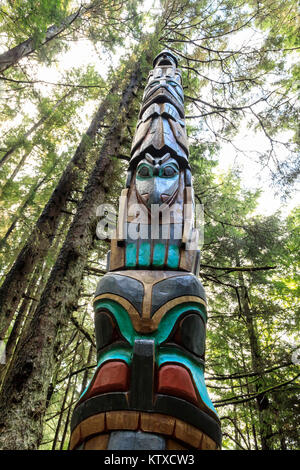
<point x="148" y="391"/>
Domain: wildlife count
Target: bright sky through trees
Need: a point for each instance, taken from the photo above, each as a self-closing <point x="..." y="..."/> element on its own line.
<point x="239" y="154"/>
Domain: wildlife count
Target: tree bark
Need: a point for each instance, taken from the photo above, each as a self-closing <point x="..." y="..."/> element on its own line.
<point x="66" y="392"/>
<point x="29" y="303"/>
<point x="265" y="428"/>
<point x="23" y="395"/>
<point x="44" y="231"/>
<point x="15" y="332"/>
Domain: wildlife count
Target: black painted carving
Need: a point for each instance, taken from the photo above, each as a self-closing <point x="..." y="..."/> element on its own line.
<point x="142" y="375"/>
<point x="173" y="287"/>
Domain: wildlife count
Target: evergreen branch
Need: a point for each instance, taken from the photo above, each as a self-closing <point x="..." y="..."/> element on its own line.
<point x="32" y="82"/>
<point x="250" y="374"/>
<point x="82" y="330"/>
<point x="251" y="396"/>
<point x="240" y="268"/>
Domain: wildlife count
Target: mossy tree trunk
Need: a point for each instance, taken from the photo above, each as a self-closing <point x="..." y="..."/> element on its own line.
<point x="41" y="238"/>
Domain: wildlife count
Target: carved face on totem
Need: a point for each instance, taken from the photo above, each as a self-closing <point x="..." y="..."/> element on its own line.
<point x="165" y="58"/>
<point x="157" y="180"/>
<point x="150" y="334"/>
<point x="161" y="81"/>
<point x="164" y="85"/>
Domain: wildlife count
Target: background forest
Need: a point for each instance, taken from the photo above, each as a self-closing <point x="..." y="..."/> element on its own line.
<point x="72" y="74"/>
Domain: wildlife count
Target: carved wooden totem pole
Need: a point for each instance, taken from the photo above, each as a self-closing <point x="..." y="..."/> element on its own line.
<point x="148" y="391"/>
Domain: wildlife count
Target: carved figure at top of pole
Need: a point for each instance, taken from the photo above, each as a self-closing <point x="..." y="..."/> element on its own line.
<point x="158" y="175"/>
<point x="161" y="127"/>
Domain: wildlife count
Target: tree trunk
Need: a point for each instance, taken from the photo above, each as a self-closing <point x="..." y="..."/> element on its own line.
<point x="28" y="304"/>
<point x="19" y="321"/>
<point x="247" y="407"/>
<point x="67" y="421"/>
<point x="86" y="372"/>
<point x="44" y="231"/>
<point x="62" y="408"/>
<point x="257" y="361"/>
<point x="16" y="170"/>
<point x="23" y="395"/>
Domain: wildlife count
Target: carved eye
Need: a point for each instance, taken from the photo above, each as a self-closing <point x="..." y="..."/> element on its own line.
<point x="177" y="87"/>
<point x="106" y="329"/>
<point x="190" y="334"/>
<point x="171" y="82"/>
<point x="144" y="172"/>
<point x="154" y="83"/>
<point x="168" y="172"/>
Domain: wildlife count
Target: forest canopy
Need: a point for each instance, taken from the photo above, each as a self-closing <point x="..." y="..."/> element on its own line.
<point x="65" y="67"/>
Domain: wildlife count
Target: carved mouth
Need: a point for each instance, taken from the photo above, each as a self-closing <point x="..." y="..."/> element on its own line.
<point x="164" y="61"/>
<point x="165" y="198"/>
<point x="113" y="402"/>
<point x="171" y="379"/>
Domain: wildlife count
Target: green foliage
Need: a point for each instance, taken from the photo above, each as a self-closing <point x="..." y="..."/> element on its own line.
<point x="31" y="18"/>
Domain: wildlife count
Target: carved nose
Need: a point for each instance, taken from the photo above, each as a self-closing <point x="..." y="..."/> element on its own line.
<point x="142" y="374"/>
<point x="156" y="192"/>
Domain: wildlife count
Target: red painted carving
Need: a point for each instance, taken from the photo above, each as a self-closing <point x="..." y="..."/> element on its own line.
<point x="113" y="376"/>
<point x="175" y="380"/>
